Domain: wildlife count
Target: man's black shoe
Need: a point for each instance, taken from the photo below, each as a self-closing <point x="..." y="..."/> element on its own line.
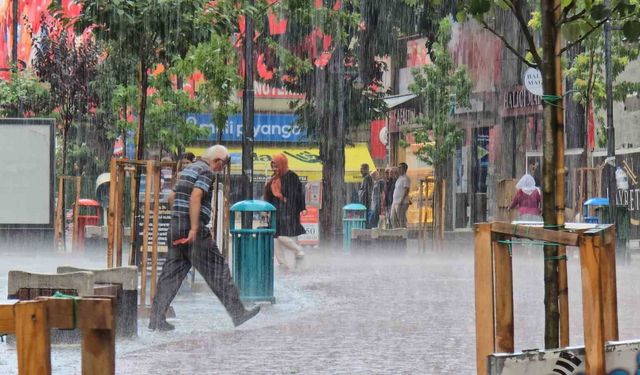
<point x="246" y="315"/>
<point x="162" y="326"/>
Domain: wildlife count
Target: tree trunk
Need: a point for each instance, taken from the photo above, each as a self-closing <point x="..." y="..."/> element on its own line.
<point x="332" y="124"/>
<point x="135" y="183"/>
<point x="63" y="156"/>
<point x="144" y="85"/>
<point x="552" y="163"/>
<point x="438" y="219"/>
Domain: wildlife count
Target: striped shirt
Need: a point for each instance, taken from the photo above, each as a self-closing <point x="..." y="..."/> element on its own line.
<point x="197" y="175"/>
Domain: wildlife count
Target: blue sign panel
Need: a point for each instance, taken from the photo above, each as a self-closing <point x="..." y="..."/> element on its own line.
<point x="267" y="127"/>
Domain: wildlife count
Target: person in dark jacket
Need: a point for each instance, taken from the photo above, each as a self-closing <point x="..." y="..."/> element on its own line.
<point x="365" y="190"/>
<point x="284" y="191"/>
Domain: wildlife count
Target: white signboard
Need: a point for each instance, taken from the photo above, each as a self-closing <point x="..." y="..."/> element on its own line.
<point x="26" y="163"/>
<point x="621" y="359"/>
<point x="311" y="238"/>
<point x="533" y="81"/>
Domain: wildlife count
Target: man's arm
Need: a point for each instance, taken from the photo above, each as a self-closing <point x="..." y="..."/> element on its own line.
<point x="405" y="196"/>
<point x="195" y="202"/>
<point x="405" y="199"/>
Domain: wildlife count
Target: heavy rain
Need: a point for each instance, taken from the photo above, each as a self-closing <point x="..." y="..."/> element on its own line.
<point x="319" y="187"/>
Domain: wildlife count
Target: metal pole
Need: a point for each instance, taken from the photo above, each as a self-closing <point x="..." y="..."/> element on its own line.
<point x="247" y="118"/>
<point x="611" y="140"/>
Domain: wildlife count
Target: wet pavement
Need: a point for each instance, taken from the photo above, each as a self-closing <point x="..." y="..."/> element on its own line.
<point x="410" y="313"/>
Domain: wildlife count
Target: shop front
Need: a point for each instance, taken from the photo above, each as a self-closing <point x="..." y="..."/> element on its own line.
<point x="303" y="160"/>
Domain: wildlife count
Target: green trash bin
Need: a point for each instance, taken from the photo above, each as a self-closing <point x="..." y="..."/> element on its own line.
<point x="253" y="252"/>
<point x="354" y="215"/>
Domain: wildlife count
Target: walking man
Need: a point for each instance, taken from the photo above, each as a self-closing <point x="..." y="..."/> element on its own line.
<point x="401" y="198"/>
<point x="365" y="190"/>
<point x="192" y="244"/>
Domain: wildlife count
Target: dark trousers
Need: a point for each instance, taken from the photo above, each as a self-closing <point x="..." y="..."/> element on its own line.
<point x="204" y="255"/>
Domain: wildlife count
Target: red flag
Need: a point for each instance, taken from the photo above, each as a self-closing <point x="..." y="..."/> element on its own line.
<point x="118" y="147"/>
<point x="378" y="148"/>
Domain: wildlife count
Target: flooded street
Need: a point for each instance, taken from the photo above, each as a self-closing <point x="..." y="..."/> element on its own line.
<point x="340" y="314"/>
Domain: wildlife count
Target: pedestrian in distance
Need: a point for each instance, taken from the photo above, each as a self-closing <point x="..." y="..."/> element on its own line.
<point x="285" y="192"/>
<point x="533" y="171"/>
<point x="192" y="244"/>
<point x="185" y="160"/>
<point x="389" y="185"/>
<point x="376" y="200"/>
<point x="401" y="200"/>
<point x="365" y="190"/>
<point x="527" y="199"/>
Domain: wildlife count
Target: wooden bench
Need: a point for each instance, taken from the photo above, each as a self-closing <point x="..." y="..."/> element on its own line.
<point x="121" y="282"/>
<point x="27" y="285"/>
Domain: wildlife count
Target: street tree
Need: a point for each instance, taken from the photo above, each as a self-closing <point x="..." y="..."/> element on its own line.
<point x="588" y="74"/>
<point x="555" y="18"/>
<point x="441" y="87"/>
<point x="319" y="54"/>
<point x="67" y="65"/>
<point x="152" y="31"/>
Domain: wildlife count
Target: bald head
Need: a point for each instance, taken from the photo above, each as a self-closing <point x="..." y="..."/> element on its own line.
<point x="216" y="156"/>
<point x="215" y="152"/>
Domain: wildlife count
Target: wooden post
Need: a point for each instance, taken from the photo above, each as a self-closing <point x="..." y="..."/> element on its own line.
<point x="111" y="216"/>
<point x="226" y="214"/>
<point x="442" y="209"/>
<point x="97" y="321"/>
<point x="76" y="212"/>
<point x="592" y="307"/>
<point x="503" y="294"/>
<point x="563" y="296"/>
<point x="607" y="251"/>
<point x="119" y="215"/>
<point x="145" y="234"/>
<point x="59" y="216"/>
<point x="421" y="201"/>
<point x="426" y="212"/>
<point x="154" y="238"/>
<point x="33" y="343"/>
<point x="483" y="274"/>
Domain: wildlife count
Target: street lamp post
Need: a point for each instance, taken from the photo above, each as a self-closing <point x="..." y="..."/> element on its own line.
<point x="247" y="118"/>
<point x="611" y="141"/>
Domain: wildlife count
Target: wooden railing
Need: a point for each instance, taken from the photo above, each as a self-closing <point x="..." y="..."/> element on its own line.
<point x="31" y="322"/>
<point x="494" y="288"/>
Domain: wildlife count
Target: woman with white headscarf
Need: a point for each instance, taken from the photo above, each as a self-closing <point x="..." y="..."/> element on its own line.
<point x="527" y="199"/>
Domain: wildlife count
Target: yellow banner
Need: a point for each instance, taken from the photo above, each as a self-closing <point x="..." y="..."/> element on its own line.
<point x="305" y="161"/>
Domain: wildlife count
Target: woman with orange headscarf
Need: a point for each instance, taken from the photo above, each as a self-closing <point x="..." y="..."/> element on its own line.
<point x="285" y="192"/>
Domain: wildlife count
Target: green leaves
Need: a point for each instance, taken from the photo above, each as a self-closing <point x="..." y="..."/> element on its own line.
<point x="631" y="30"/>
<point x="477" y="7"/>
<point x="23" y="95"/>
<point x="600" y="12"/>
<point x="442" y="87"/>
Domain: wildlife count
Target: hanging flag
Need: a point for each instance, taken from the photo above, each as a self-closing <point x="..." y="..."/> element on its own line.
<point x="378" y="139"/>
<point x="118" y="147"/>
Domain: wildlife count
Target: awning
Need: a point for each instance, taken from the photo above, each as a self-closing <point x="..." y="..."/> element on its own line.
<point x="305" y="161"/>
<point x="396" y="100"/>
